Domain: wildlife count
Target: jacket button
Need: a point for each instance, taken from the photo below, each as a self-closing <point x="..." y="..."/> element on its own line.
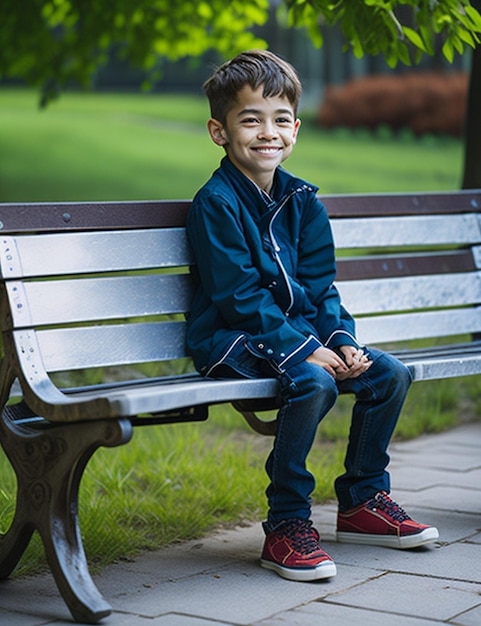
<point x="269" y="351"/>
<point x="260" y="346"/>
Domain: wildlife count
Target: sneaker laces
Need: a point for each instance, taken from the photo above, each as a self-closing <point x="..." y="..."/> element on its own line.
<point x="383" y="502"/>
<point x="305" y="539"/>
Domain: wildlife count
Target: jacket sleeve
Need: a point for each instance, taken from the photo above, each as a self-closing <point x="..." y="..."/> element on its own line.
<point x="317" y="272"/>
<point x="223" y="252"/>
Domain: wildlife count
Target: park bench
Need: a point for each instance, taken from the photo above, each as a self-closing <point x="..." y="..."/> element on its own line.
<point x="106" y="285"/>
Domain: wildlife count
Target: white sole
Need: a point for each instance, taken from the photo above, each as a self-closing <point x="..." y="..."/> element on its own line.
<point x="325" y="570"/>
<point x="428" y="535"/>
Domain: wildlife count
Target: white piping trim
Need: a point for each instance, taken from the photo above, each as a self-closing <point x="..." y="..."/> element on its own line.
<point x="342" y="332"/>
<point x="226" y="354"/>
<point x="277" y="248"/>
<point x="298" y="349"/>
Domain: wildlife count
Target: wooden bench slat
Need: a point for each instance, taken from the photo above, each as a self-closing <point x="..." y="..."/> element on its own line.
<point x="436" y="230"/>
<point x="41" y="217"/>
<point x="449" y="350"/>
<point x="379" y="329"/>
<point x="444" y="367"/>
<point x="410" y="293"/>
<point x="442" y="361"/>
<point x="68" y="301"/>
<point x="107" y="345"/>
<point x="369" y="205"/>
<point x="156" y="398"/>
<point x="413" y="264"/>
<point x="81" y="253"/>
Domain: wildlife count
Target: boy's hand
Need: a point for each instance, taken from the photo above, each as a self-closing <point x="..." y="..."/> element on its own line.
<point x="357" y="362"/>
<point x="330" y="361"/>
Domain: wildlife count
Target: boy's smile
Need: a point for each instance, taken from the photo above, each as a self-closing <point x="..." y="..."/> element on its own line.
<point x="258" y="135"/>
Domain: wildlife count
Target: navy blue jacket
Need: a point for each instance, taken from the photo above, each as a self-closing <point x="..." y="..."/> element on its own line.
<point x="264" y="272"/>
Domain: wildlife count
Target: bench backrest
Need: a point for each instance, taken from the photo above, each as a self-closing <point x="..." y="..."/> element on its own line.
<point x="404" y="263"/>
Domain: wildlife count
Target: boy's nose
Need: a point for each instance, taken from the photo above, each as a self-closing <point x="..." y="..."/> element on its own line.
<point x="268" y="131"/>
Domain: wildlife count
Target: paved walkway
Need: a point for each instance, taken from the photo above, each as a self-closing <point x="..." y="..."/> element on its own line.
<point x="217" y="580"/>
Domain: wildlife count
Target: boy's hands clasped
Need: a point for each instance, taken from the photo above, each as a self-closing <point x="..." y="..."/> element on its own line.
<point x="355" y="363"/>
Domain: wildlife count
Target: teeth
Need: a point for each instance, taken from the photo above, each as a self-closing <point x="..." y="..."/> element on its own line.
<point x="267" y="150"/>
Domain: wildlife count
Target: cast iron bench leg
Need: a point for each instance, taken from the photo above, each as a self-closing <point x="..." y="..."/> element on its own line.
<point x="49" y="464"/>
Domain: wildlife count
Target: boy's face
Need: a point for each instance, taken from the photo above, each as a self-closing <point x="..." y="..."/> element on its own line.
<point x="258" y="135"/>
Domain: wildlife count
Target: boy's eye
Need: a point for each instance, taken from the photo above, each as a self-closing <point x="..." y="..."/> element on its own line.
<point x="254" y="121"/>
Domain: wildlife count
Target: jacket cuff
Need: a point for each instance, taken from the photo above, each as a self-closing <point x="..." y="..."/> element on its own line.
<point x="341" y="338"/>
<point x="301" y="352"/>
<point x="280" y="360"/>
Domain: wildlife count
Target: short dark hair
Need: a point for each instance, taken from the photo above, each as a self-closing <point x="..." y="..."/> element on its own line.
<point x="253" y="68"/>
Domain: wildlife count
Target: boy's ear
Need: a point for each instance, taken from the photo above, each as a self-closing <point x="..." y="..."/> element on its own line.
<point x="216" y="132"/>
<point x="297" y="125"/>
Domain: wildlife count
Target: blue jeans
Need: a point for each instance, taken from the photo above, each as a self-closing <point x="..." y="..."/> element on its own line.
<point x="308" y="393"/>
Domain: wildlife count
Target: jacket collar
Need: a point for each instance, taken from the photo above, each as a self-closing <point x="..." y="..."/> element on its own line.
<point x="285" y="184"/>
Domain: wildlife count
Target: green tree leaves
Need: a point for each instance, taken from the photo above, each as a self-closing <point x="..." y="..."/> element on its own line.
<point x="376" y="26"/>
<point x="53" y="43"/>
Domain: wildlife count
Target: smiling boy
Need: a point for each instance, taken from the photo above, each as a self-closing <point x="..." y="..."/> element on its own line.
<point x="258" y="134"/>
<point x="265" y="305"/>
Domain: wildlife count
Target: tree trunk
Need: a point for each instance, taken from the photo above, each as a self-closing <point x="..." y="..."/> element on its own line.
<point x="472" y="128"/>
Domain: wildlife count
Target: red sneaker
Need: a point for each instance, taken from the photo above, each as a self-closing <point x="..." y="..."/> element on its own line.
<point x="382" y="522"/>
<point x="294" y="551"/>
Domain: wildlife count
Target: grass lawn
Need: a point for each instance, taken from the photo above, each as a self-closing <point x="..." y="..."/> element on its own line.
<point x="179" y="481"/>
<point x="123" y="147"/>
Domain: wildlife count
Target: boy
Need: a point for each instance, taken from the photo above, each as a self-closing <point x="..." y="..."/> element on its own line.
<point x="265" y="305"/>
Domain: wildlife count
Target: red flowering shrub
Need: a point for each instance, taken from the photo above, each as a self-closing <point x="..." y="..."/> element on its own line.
<point x="422" y="102"/>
